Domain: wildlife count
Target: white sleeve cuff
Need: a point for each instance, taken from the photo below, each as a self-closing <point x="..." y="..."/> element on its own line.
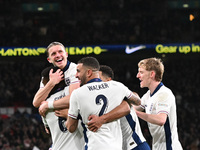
<point x="50" y="105"/>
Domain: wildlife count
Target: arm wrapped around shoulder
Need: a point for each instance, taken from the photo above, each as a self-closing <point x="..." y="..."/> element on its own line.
<point x="134" y="99"/>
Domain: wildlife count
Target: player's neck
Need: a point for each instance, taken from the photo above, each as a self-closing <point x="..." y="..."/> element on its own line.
<point x="153" y="86"/>
<point x="93" y="76"/>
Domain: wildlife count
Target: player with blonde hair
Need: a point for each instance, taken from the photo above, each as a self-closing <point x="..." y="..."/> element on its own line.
<point x="159" y="105"/>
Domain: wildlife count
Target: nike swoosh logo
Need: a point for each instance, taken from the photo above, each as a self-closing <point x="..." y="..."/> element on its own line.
<point x="134" y="49"/>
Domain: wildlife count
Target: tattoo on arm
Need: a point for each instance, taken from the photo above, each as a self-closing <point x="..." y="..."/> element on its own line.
<point x="134" y="100"/>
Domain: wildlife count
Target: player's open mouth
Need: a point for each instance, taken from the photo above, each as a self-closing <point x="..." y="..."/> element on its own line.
<point x="59" y="60"/>
<point x="141" y="81"/>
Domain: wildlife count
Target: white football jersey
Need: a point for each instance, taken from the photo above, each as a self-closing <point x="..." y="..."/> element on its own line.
<point x="131" y="131"/>
<point x="162" y="101"/>
<point x="69" y="75"/>
<point x="61" y="138"/>
<point x="99" y="98"/>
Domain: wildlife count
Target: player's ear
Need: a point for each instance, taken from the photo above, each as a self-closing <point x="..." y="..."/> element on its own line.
<point x="49" y="60"/>
<point x="109" y="78"/>
<point x="152" y="74"/>
<point x="89" y="72"/>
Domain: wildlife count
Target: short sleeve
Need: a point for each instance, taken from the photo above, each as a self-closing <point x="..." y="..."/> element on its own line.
<point x="163" y="103"/>
<point x="143" y="101"/>
<point x="127" y="93"/>
<point x="73" y="109"/>
<point x="70" y="75"/>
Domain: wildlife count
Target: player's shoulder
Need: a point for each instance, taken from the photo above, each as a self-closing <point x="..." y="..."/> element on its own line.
<point x="115" y="83"/>
<point x="71" y="70"/>
<point x="72" y="66"/>
<point x="165" y="89"/>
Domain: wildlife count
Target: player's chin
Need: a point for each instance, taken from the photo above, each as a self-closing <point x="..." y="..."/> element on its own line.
<point x="141" y="85"/>
<point x="59" y="64"/>
<point x="81" y="83"/>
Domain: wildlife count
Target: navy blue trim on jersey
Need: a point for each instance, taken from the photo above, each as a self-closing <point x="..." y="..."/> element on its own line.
<point x="60" y="86"/>
<point x="132" y="124"/>
<point x="95" y="80"/>
<point x="168" y="135"/>
<point x="142" y="146"/>
<point x="67" y="66"/>
<point x="157" y="88"/>
<point x="84" y="132"/>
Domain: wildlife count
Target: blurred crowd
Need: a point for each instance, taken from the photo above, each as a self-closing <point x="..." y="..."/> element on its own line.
<point x="97" y="22"/>
<point x="23" y="131"/>
<point x="19" y="80"/>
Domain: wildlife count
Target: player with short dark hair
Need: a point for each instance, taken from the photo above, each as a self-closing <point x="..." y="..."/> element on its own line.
<point x="97" y="97"/>
<point x="106" y="73"/>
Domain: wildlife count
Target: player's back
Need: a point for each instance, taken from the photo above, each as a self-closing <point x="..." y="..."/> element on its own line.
<point x="99" y="98"/>
<point x="102" y="97"/>
<point x="62" y="139"/>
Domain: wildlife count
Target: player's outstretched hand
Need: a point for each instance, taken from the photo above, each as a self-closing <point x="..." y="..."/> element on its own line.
<point x="94" y="123"/>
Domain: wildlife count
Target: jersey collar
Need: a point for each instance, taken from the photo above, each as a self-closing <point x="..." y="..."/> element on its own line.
<point x="67" y="66"/>
<point x="95" y="80"/>
<point x="157" y="88"/>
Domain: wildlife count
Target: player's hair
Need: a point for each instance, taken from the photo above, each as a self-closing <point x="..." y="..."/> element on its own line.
<point x="107" y="71"/>
<point x="45" y="75"/>
<point x="153" y="64"/>
<point x="53" y="44"/>
<point x="45" y="72"/>
<point x="90" y="62"/>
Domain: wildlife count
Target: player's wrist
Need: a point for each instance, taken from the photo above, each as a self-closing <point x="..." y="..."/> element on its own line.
<point x="51" y="83"/>
<point x="50" y="105"/>
<point x="103" y="119"/>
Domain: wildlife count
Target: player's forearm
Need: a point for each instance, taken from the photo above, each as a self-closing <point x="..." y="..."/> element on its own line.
<point x="134" y="99"/>
<point x="120" y="111"/>
<point x="62" y="103"/>
<point x="71" y="124"/>
<point x="138" y="108"/>
<point x="158" y="119"/>
<point x="42" y="94"/>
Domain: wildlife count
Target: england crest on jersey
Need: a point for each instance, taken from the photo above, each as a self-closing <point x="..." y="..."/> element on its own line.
<point x="67" y="81"/>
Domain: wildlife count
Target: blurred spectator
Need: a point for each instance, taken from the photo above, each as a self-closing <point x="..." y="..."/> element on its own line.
<point x="97" y="22"/>
<point x="23" y="131"/>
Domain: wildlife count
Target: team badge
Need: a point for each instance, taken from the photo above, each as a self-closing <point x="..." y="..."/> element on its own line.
<point x="67" y="81"/>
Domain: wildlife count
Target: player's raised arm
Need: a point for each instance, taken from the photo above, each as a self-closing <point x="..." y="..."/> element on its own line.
<point x="43" y="92"/>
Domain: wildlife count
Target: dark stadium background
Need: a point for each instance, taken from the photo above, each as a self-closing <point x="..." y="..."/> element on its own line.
<point x="96" y="22"/>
